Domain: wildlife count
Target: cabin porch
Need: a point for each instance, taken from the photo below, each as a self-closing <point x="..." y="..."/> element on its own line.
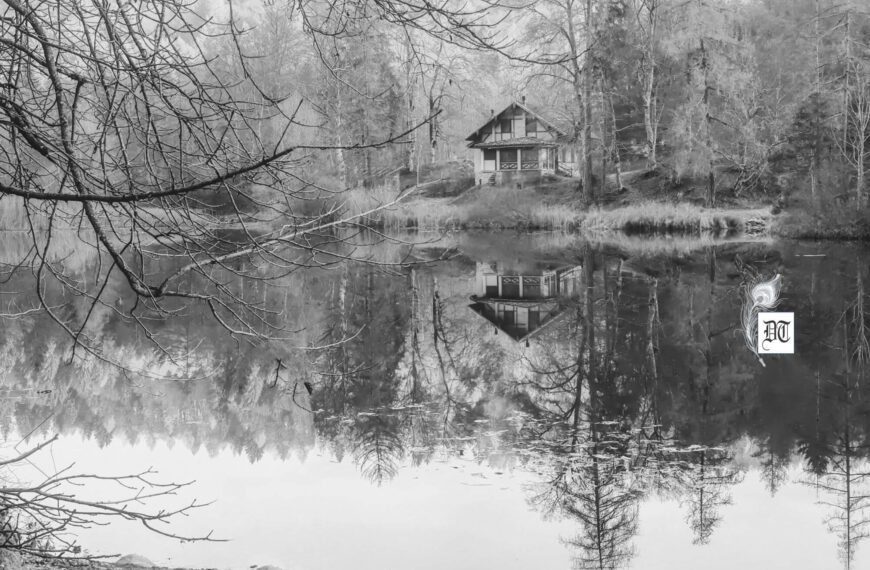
<point x="506" y="164"/>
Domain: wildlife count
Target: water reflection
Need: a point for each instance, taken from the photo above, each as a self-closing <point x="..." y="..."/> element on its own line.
<point x="521" y="302"/>
<point x="616" y="376"/>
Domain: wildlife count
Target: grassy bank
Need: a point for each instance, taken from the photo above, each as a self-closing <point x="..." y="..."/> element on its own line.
<point x="554" y="205"/>
<point x="486" y="208"/>
<point x="829" y="222"/>
<point x="657" y="217"/>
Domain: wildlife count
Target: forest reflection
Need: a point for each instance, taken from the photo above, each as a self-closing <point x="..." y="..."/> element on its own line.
<point x="614" y="374"/>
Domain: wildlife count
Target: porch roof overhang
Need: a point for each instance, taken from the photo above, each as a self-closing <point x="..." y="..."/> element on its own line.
<point x="520" y="142"/>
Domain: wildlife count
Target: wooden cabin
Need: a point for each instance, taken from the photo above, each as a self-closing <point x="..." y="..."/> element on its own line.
<point x="516" y="145"/>
<point x="520" y="305"/>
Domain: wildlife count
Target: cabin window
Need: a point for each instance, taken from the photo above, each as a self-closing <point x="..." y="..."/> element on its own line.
<point x="508" y="159"/>
<point x="510" y="317"/>
<point x="522" y="318"/>
<point x="510" y="287"/>
<point x="531" y="126"/>
<point x="491" y="285"/>
<point x="489" y="154"/>
<point x="506" y="125"/>
<point x="530" y="159"/>
<point x="531" y="287"/>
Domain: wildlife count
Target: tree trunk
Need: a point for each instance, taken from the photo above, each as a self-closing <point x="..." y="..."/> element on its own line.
<point x="847" y="51"/>
<point x="588" y="191"/>
<point x="578" y="148"/>
<point x="409" y="121"/>
<point x="814" y="164"/>
<point x="605" y="147"/>
<point x="708" y="119"/>
<point x="614" y="141"/>
<point x="650" y="111"/>
<point x="339" y="128"/>
<point x="433" y="130"/>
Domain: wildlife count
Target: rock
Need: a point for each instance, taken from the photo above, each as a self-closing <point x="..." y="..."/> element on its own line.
<point x="268" y="567"/>
<point x="134" y="560"/>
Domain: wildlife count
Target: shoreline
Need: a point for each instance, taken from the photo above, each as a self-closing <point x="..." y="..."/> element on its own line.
<point x="646" y="204"/>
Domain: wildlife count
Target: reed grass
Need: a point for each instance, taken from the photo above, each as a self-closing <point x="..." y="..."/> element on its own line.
<point x="657" y="217"/>
<point x="487" y="209"/>
<point x="504" y="208"/>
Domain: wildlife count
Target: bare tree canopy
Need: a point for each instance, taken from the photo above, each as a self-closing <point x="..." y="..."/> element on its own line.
<point x="121" y="123"/>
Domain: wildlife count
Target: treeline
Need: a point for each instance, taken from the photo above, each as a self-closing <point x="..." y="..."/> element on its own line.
<point x="774" y="92"/>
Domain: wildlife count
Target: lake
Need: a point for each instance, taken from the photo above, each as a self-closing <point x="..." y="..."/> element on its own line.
<point x="474" y="400"/>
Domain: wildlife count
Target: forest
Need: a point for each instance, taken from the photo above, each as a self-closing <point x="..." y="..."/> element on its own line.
<point x="770" y="94"/>
<point x="305" y="101"/>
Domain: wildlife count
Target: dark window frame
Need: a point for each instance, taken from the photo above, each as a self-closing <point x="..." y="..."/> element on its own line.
<point x="506" y="123"/>
<point x="533" y="122"/>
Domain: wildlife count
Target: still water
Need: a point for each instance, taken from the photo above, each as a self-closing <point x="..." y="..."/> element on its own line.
<point x="498" y="401"/>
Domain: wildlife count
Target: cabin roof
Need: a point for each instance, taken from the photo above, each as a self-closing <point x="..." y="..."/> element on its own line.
<point x="546" y="122"/>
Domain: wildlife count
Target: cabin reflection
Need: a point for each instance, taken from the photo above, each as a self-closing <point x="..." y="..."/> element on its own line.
<point x="522" y="302"/>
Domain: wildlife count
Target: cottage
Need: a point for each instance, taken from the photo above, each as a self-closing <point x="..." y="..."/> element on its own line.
<point x="522" y="302"/>
<point x="516" y="145"/>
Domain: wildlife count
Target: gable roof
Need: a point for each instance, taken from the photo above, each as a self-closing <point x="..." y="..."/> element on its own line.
<point x="547" y="123"/>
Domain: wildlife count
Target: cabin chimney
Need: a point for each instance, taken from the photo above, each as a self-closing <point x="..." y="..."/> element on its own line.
<point x="524" y="99"/>
<point x="491" y="113"/>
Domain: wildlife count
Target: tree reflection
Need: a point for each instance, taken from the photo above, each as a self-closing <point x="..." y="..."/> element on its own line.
<point x="632" y="384"/>
<point x="710" y="474"/>
<point x="837" y="458"/>
<point x="365" y="323"/>
<point x="602" y="383"/>
<point x="592" y="477"/>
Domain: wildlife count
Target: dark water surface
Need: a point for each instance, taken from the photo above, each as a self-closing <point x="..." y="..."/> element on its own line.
<point x="534" y="401"/>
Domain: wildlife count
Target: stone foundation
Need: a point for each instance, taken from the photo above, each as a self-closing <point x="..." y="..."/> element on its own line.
<point x="520" y="178"/>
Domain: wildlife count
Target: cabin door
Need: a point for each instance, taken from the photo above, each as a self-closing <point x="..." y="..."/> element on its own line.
<point x="489" y="159"/>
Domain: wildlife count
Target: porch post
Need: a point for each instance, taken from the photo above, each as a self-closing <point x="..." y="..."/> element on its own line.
<point x="519" y="159"/>
<point x="498" y="159"/>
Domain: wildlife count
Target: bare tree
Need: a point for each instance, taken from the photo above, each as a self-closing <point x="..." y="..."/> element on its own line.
<point x="856" y="121"/>
<point x="118" y="130"/>
<point x="649" y="14"/>
<point x="562" y="32"/>
<point x="42" y="517"/>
